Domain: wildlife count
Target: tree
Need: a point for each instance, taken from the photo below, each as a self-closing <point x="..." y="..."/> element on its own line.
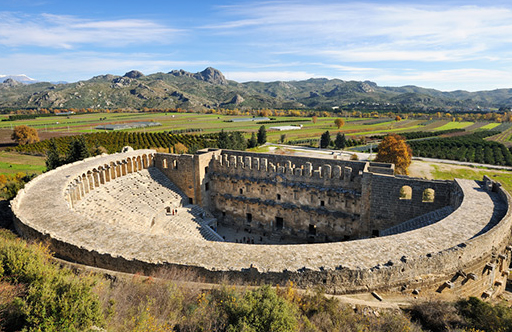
<point x="398" y="118"/>
<point x="339" y="122"/>
<point x="222" y="140"/>
<point x="393" y="149"/>
<point x="340" y="142"/>
<point x="262" y="135"/>
<point x="314" y="119"/>
<point x="325" y="140"/>
<point x="24" y="135"/>
<point x="77" y="150"/>
<point x="237" y="141"/>
<point x="53" y="159"/>
<point x="282" y="138"/>
<point x="253" y="142"/>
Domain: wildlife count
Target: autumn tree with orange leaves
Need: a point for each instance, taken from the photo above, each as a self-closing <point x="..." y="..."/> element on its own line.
<point x="393" y="149"/>
<point x="24" y="135"/>
<point x="339" y="122"/>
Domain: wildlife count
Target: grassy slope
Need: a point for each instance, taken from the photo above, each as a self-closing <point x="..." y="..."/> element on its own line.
<point x="12" y="163"/>
<point x="504" y="177"/>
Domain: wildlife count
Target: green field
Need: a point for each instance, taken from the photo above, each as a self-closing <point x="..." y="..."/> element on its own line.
<point x="12" y="163"/>
<point x="490" y="126"/>
<point x="455" y="125"/>
<point x="211" y="123"/>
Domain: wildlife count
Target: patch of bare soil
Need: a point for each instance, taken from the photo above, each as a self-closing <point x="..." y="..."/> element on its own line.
<point x="421" y="169"/>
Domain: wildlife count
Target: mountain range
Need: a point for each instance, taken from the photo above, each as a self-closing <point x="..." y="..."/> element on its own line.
<point x="210" y="89"/>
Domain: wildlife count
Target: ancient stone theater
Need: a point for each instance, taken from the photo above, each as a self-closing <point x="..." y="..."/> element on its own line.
<point x="349" y="226"/>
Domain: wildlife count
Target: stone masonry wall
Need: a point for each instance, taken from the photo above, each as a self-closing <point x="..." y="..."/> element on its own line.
<point x="385" y="207"/>
<point x="467" y="253"/>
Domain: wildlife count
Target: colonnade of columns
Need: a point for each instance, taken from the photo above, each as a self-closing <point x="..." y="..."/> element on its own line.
<point x="91" y="179"/>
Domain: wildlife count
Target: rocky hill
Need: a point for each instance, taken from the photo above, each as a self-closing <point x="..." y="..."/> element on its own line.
<point x="210" y="89"/>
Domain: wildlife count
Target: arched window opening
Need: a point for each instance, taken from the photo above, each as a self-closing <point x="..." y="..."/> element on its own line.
<point x="406" y="192"/>
<point x="428" y="195"/>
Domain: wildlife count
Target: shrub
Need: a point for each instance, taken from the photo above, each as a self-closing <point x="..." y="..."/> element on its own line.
<point x="53" y="299"/>
<point x="436" y="315"/>
<point x="483" y="316"/>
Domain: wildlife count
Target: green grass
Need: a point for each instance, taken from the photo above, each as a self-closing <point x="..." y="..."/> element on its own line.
<point x="455" y="125"/>
<point x="503" y="177"/>
<point x="12" y="163"/>
<point x="490" y="126"/>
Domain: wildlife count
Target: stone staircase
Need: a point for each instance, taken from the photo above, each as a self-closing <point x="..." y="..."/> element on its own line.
<point x="418" y="222"/>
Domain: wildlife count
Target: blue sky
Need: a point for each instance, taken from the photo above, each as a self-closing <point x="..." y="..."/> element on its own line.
<point x="446" y="45"/>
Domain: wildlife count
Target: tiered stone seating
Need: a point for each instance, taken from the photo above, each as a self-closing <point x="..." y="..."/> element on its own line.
<point x="138" y="201"/>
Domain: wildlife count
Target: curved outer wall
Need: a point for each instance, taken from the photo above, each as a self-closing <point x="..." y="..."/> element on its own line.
<point x="468" y="264"/>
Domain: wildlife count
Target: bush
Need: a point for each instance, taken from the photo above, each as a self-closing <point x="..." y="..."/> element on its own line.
<point x="53" y="299"/>
<point x="483" y="316"/>
<point x="436" y="315"/>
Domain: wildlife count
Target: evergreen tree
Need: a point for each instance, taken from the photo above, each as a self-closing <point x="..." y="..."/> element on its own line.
<point x="262" y="135"/>
<point x="77" y="150"/>
<point x="340" y="141"/>
<point x="223" y="140"/>
<point x="53" y="159"/>
<point x="325" y="140"/>
<point x="253" y="142"/>
<point x="237" y="140"/>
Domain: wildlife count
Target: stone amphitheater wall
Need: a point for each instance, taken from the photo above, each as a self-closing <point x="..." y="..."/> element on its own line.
<point x="310" y="198"/>
<point x="405" y="263"/>
<point x="385" y="207"/>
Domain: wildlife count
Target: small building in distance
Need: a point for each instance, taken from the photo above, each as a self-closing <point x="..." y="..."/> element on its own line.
<point x="283" y="128"/>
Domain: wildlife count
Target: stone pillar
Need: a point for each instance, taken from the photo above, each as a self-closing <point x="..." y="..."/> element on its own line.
<point x="240" y="162"/>
<point x="107" y="173"/>
<point x="81" y="186"/>
<point x="256" y="163"/>
<point x="247" y="162"/>
<point x="112" y="171"/>
<point x="326" y="171"/>
<point x="96" y="178"/>
<point x="118" y="170"/>
<point x="123" y="168"/>
<point x="308" y="170"/>
<point x="264" y="165"/>
<point x="101" y="173"/>
<point x="347" y="174"/>
<point x="288" y="167"/>
<point x="232" y="162"/>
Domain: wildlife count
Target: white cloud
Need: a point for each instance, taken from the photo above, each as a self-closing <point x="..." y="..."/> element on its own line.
<point x="402" y="31"/>
<point x="61" y="31"/>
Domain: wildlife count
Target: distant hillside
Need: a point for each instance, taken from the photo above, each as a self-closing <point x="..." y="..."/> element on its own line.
<point x="210" y="89"/>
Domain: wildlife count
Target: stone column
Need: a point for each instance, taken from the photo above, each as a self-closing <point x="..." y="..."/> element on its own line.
<point x="308" y="170"/>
